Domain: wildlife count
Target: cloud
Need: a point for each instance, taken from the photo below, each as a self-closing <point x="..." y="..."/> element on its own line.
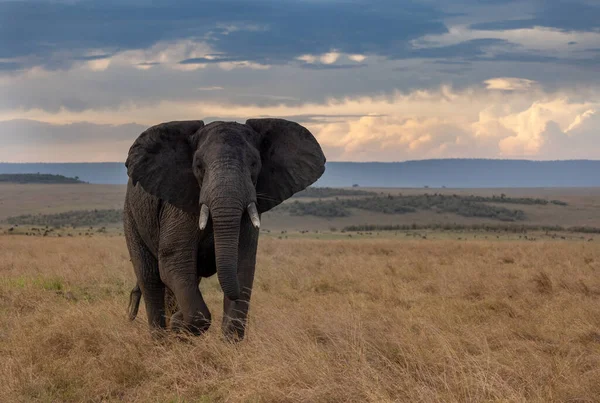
<point x="527" y="43"/>
<point x="581" y="120"/>
<point x="99" y="64"/>
<point x="243" y="64"/>
<point x="166" y="52"/>
<point x="357" y="58"/>
<point x="372" y="79"/>
<point x="530" y="126"/>
<point x="213" y="88"/>
<point x="257" y="32"/>
<point x="562" y="15"/>
<point x="330" y="57"/>
<point x="332" y="66"/>
<point x="170" y="53"/>
<point x="308" y="58"/>
<point x="579" y="141"/>
<point x="509" y="83"/>
<point x="442" y="123"/>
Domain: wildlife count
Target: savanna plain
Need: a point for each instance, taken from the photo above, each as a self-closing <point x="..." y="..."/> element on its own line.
<point x="403" y="316"/>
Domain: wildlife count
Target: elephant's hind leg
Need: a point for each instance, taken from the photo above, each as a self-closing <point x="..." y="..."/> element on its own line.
<point x="145" y="266"/>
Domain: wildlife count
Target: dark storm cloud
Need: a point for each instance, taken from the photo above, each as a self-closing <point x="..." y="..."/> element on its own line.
<point x="263" y="31"/>
<point x="404" y="45"/>
<point x="563" y="15"/>
<point x="57" y="34"/>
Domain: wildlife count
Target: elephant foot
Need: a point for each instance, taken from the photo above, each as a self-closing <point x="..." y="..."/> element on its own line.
<point x="158" y="334"/>
<point x="234" y="330"/>
<point x="198" y="325"/>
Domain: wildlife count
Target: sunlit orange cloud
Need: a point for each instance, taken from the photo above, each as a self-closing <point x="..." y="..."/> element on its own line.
<point x="504" y="117"/>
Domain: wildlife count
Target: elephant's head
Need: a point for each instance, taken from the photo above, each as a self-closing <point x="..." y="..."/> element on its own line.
<point x="225" y="170"/>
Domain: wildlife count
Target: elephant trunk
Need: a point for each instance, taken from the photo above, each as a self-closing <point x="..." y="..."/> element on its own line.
<point x="226" y="225"/>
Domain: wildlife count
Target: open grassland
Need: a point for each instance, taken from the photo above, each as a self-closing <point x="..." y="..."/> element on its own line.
<point x="18" y="199"/>
<point x="378" y="320"/>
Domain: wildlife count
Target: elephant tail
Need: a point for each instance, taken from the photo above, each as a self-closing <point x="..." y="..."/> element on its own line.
<point x="134" y="301"/>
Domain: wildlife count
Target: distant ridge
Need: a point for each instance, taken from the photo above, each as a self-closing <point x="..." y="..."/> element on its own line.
<point x="38" y="178"/>
<point x="435" y="173"/>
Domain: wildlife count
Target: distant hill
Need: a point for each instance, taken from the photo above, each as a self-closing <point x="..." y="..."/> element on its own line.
<point x="37" y="178"/>
<point x="451" y="173"/>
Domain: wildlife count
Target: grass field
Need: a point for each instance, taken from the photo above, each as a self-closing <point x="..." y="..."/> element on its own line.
<point x="331" y="320"/>
<point x="17" y="199"/>
<point x="415" y="316"/>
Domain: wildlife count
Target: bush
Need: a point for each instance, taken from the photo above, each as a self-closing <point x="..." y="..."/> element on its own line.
<point x="510" y="228"/>
<point x="318" y="209"/>
<point x="467" y="206"/>
<point x="315" y="192"/>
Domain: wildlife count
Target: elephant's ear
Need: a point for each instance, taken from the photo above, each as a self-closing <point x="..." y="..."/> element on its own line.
<point x="291" y="160"/>
<point x="161" y="161"/>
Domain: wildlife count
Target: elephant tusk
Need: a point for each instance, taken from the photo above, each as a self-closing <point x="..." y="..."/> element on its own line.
<point x="204" y="213"/>
<point x="253" y="212"/>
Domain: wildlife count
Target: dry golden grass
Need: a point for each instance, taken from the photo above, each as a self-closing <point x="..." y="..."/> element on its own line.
<point x="17" y="199"/>
<point x="375" y="320"/>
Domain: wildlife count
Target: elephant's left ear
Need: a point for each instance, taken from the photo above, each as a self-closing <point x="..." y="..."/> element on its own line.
<point x="292" y="160"/>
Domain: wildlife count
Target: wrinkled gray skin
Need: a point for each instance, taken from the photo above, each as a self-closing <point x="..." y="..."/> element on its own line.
<point x="174" y="168"/>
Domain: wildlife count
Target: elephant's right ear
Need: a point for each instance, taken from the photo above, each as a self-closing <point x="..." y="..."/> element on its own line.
<point x="161" y="159"/>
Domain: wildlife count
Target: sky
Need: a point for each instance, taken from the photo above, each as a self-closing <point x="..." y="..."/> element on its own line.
<point x="373" y="80"/>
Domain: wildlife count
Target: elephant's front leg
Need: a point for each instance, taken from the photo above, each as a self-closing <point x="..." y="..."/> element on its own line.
<point x="179" y="274"/>
<point x="235" y="313"/>
<point x="177" y="266"/>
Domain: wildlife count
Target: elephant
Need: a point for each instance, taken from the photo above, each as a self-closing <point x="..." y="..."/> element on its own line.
<point x="193" y="204"/>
